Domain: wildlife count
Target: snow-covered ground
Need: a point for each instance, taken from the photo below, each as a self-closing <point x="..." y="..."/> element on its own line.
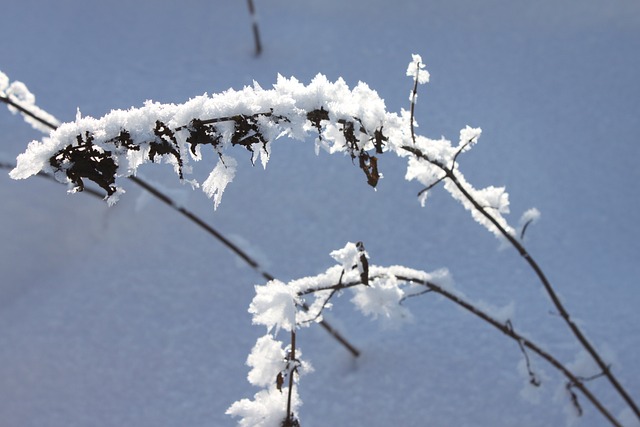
<point x="132" y="316"/>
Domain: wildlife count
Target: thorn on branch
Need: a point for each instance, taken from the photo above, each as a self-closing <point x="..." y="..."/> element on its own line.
<point x="424" y="190"/>
<point x="460" y="150"/>
<point x="524" y="228"/>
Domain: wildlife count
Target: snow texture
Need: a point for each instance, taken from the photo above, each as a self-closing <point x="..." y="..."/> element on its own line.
<point x="18" y="93"/>
<point x="281" y="111"/>
<point x="275" y="306"/>
<point x="133" y="317"/>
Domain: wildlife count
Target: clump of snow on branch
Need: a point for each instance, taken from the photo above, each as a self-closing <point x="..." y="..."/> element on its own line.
<point x="377" y="292"/>
<point x="267" y="409"/>
<point x="381" y="299"/>
<point x="18" y="93"/>
<point x="266" y="360"/>
<point x="416" y="69"/>
<point x="353" y="122"/>
<point x="274" y="306"/>
<point x="529" y="216"/>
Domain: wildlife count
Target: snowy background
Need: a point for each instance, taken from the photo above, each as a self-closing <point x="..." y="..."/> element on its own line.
<point x="132" y="316"/>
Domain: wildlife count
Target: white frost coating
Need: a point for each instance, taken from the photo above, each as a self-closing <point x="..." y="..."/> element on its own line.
<point x="4" y="83"/>
<point x="381" y="299"/>
<point x="266" y="361"/>
<point x="417" y="69"/>
<point x="277" y="112"/>
<point x="274" y="306"/>
<point x="468" y="137"/>
<point x="348" y="257"/>
<point x="280" y="306"/>
<point x="219" y="178"/>
<point x="267" y="409"/>
<point x="18" y="93"/>
<point x="529" y="216"/>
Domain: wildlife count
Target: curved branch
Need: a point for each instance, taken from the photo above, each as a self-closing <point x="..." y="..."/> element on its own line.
<point x="193" y="218"/>
<point x="555" y="299"/>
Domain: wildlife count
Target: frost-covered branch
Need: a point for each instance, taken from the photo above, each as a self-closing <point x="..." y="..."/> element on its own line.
<point x="378" y="294"/>
<point x="46" y="123"/>
<point x="353" y="122"/>
<point x="487" y="206"/>
<point x="20" y="100"/>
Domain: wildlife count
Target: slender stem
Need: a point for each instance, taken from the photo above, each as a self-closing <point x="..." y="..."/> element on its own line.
<point x="256" y="32"/>
<point x="26" y="112"/>
<point x="414" y="94"/>
<point x="509" y="331"/>
<point x="292" y="359"/>
<point x="557" y="303"/>
<point x="506" y="328"/>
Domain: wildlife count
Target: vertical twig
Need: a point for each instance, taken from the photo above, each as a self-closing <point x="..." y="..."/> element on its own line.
<point x="254" y="24"/>
<point x="291" y="368"/>
<point x="414" y="94"/>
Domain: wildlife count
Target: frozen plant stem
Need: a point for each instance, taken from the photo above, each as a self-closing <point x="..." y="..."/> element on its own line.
<point x="290" y="420"/>
<point x="193" y="218"/>
<point x="509" y="331"/>
<point x="408" y="276"/>
<point x="414" y="95"/>
<point x="449" y="173"/>
<point x="7" y="100"/>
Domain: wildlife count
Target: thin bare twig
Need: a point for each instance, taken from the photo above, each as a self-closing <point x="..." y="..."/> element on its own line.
<point x="555" y="299"/>
<point x="414" y="94"/>
<point x="291" y="421"/>
<point x="506" y="328"/>
<point x="557" y="303"/>
<point x="523" y="341"/>
<point x="254" y="24"/>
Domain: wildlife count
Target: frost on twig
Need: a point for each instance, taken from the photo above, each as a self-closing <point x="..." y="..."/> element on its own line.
<point x="20" y="100"/>
<point x="377" y="292"/>
<point x="350" y="121"/>
<point x="279" y="306"/>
